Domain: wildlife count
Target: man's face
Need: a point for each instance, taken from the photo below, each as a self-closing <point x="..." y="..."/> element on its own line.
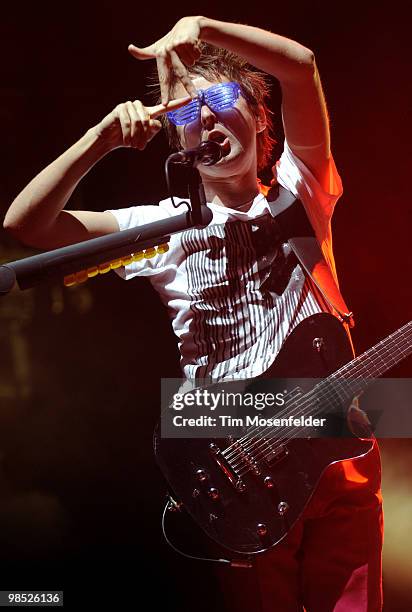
<point x="235" y="129"/>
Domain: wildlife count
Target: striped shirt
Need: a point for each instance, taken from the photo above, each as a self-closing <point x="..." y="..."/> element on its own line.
<point x="233" y="290"/>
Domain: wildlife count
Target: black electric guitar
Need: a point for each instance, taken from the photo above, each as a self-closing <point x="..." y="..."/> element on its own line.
<point x="247" y="493"/>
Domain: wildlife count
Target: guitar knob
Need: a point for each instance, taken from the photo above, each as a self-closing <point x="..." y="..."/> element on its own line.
<point x="317" y="344"/>
<point x="262" y="530"/>
<point x="268" y="482"/>
<point x="283" y="507"/>
<point x="201" y="475"/>
<point x="213" y="494"/>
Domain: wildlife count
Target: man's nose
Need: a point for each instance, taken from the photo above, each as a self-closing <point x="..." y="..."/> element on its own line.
<point x="207" y="117"/>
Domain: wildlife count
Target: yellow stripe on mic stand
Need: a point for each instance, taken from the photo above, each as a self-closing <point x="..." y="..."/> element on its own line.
<point x="83" y="275"/>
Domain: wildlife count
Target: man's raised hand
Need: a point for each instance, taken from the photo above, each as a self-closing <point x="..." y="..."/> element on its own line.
<point x="132" y="124"/>
<point x="178" y="49"/>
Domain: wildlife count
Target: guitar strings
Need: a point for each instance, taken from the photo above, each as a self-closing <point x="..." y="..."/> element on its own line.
<point x="342" y="370"/>
<point x="236" y="453"/>
<point x="264" y="442"/>
<point x="333" y="377"/>
<point x="281" y="441"/>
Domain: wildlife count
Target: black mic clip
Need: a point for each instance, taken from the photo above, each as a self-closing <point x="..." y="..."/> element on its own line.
<point x="207" y="153"/>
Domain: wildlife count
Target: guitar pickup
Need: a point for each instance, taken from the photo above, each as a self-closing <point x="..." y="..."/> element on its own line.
<point x="276" y="454"/>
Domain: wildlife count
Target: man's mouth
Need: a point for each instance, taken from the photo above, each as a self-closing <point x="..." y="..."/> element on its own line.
<point x="222" y="139"/>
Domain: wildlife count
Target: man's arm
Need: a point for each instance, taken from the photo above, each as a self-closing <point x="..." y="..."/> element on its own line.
<point x="304" y="110"/>
<point x="36" y="217"/>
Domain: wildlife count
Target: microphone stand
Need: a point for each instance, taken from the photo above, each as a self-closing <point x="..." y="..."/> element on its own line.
<point x="207" y="153"/>
<point x="113" y="250"/>
<point x="196" y="195"/>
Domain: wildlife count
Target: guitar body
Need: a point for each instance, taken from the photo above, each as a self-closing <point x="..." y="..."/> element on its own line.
<point x="257" y="515"/>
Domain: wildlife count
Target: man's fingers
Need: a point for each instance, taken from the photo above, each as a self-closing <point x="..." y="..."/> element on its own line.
<point x="188" y="53"/>
<point x="125" y="124"/>
<point x="147" y="124"/>
<point x="163" y="71"/>
<point x="181" y="72"/>
<point x="154" y="128"/>
<point x="141" y="54"/>
<point x="134" y="118"/>
<point x="160" y="109"/>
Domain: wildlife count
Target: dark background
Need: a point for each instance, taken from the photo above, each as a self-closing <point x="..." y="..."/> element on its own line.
<point x="80" y="494"/>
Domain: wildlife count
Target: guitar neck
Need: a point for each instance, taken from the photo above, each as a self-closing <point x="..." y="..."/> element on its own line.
<point x="358" y="374"/>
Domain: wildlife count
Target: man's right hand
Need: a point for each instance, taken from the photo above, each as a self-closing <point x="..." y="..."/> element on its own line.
<point x="132" y="124"/>
<point x="36" y="217"/>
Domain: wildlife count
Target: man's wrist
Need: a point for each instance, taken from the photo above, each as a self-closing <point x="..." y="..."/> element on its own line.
<point x="206" y="27"/>
<point x="95" y="141"/>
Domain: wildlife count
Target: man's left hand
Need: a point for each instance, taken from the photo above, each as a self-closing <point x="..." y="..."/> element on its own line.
<point x="174" y="52"/>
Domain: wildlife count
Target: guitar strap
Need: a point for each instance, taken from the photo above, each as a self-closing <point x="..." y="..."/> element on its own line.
<point x="296" y="229"/>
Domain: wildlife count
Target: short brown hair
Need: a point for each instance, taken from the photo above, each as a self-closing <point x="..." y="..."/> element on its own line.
<point x="215" y="63"/>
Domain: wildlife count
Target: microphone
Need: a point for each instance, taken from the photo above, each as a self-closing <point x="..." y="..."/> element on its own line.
<point x="207" y="153"/>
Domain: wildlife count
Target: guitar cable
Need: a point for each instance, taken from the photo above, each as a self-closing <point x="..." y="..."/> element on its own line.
<point x="171" y="505"/>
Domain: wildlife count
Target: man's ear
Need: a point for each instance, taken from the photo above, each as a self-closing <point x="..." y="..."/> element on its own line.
<point x="261" y="121"/>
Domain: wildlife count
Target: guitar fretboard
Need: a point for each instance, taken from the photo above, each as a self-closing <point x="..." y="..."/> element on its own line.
<point x="356" y="375"/>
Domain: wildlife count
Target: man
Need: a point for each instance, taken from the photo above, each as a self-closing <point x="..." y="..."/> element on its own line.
<point x="234" y="294"/>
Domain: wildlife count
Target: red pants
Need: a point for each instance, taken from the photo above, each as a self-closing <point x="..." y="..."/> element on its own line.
<point x="331" y="559"/>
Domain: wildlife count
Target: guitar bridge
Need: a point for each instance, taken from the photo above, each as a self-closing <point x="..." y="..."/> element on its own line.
<point x="226" y="468"/>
